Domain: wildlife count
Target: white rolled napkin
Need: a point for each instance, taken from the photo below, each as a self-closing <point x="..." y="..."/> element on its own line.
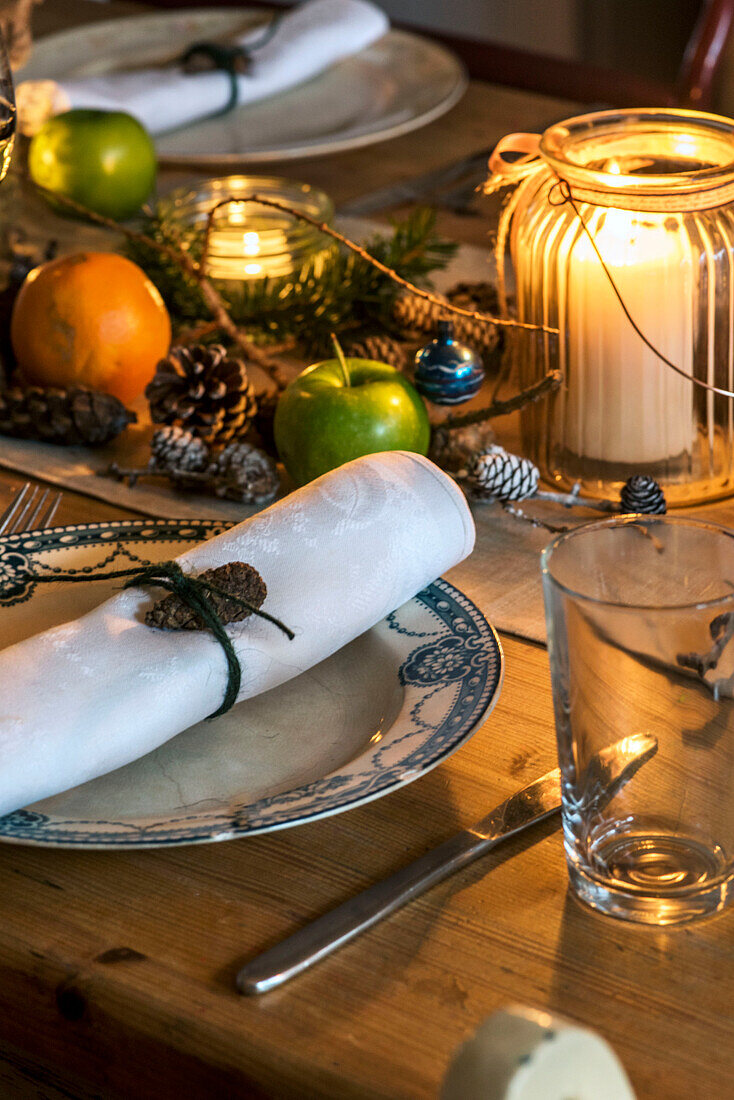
<point x="307" y="40"/>
<point x="337" y="556"/>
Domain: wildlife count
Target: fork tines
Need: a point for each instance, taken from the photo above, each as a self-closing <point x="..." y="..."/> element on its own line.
<point x="30" y="510"/>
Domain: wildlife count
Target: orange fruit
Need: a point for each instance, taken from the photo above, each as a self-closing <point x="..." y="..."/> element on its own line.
<point x="92" y="319"/>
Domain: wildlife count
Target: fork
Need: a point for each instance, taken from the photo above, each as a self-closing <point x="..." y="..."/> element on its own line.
<point x="29" y="510"/>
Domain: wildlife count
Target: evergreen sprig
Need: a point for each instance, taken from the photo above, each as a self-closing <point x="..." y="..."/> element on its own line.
<point x="347" y="293"/>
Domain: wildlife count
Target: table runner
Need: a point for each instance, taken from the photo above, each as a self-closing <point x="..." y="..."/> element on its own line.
<point x="502" y="575"/>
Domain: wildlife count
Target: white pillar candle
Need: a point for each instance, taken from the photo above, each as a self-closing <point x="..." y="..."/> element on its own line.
<point x="623" y="405"/>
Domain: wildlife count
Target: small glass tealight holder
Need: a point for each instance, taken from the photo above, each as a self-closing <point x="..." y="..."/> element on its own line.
<point x="251" y="242"/>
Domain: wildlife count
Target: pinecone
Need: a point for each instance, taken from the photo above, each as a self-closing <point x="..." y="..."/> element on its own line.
<point x="502" y="476"/>
<point x="24" y="256"/>
<point x="416" y="314"/>
<point x="455" y="449"/>
<point x="480" y="296"/>
<point x="175" y="450"/>
<point x="236" y="577"/>
<point x="242" y="472"/>
<point x="641" y="493"/>
<point x="383" y="348"/>
<point x="204" y="391"/>
<point x="72" y="416"/>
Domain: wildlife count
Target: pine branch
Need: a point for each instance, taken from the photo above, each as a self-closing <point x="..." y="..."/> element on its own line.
<point x="385" y="269"/>
<point x="413" y="243"/>
<point x="346" y="292"/>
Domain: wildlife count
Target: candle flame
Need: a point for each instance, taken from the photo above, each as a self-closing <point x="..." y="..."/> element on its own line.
<point x="686" y="146"/>
<point x="251" y="244"/>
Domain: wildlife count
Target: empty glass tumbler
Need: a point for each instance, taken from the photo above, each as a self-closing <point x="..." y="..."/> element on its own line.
<point x="640" y="614"/>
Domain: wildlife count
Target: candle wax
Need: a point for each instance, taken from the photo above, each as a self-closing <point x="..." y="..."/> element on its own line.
<point x="623" y="405"/>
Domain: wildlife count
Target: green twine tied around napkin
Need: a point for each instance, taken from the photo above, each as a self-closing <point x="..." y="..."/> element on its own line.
<point x="233" y="61"/>
<point x="192" y="591"/>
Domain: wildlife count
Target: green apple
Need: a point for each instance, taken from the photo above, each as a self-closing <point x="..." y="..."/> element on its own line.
<point x="344" y="408"/>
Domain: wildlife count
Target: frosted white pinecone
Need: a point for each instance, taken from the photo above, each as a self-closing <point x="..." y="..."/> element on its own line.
<point x="502" y="476"/>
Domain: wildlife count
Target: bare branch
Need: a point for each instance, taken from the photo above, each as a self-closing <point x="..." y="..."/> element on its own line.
<point x="547" y="385"/>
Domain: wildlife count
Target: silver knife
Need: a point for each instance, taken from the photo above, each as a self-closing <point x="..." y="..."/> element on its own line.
<point x="601" y="780"/>
<point x="318" y="939"/>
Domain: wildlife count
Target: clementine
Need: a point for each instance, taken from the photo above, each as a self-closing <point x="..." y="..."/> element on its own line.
<point x="92" y="319"/>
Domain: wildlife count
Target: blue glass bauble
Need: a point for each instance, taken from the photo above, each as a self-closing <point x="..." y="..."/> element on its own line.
<point x="447" y="372"/>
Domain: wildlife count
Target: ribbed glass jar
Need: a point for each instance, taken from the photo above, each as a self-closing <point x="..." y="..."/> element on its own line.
<point x="251" y="242"/>
<point x="655" y="190"/>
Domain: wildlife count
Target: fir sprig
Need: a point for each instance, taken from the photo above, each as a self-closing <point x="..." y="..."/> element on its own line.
<point x="346" y="293"/>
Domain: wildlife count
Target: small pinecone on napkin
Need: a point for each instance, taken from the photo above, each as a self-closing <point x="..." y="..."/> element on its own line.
<point x="204" y="390"/>
<point x="74" y="416"/>
<point x="237" y="577"/>
<point x="174" y="449"/>
<point x="502" y="476"/>
<point x="383" y="348"/>
<point x="641" y="493"/>
<point x="244" y="473"/>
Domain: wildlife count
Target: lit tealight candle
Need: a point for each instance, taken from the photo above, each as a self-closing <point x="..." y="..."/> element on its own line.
<point x="262" y="251"/>
<point x="249" y="241"/>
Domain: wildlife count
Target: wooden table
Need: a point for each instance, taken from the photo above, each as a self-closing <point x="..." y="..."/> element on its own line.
<point x="117" y="969"/>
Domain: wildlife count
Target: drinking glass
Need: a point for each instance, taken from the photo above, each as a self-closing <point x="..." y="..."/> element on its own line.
<point x="640" y="614"/>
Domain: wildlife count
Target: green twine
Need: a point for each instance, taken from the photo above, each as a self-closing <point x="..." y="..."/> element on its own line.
<point x="193" y="591"/>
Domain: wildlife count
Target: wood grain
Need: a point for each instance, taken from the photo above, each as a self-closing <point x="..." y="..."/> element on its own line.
<point x="117" y="969"/>
<point x="110" y="953"/>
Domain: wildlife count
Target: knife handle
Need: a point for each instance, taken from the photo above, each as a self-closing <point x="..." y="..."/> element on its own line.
<point x="319" y="938"/>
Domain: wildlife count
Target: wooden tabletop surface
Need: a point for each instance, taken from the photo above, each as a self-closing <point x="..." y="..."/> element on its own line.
<point x="117" y="969"/>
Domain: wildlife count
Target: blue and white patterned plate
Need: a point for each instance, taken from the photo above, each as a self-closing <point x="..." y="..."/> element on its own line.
<point x="376" y="715"/>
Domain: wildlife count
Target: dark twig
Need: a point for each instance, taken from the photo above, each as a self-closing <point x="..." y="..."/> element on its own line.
<point x="538" y="390"/>
<point x="517" y="513"/>
<point x="722" y="630"/>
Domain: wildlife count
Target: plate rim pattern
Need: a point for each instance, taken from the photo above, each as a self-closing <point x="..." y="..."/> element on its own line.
<point x="325" y="145"/>
<point x="462" y="658"/>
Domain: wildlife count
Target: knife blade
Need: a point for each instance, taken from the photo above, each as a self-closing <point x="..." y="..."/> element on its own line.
<point x="314" y="941"/>
<point x="424" y="187"/>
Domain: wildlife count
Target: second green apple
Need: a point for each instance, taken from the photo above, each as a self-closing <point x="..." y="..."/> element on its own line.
<point x="334" y="412"/>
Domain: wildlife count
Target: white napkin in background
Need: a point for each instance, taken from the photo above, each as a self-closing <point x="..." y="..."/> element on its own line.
<point x="337" y="556"/>
<point x="309" y="39"/>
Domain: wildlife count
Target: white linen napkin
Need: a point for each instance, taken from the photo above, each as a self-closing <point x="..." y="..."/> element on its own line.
<point x="308" y="40"/>
<point x="337" y="556"/>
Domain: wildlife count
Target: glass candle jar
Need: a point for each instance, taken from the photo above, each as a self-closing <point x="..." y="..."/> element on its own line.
<point x="249" y="241"/>
<point x="655" y="190"/>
